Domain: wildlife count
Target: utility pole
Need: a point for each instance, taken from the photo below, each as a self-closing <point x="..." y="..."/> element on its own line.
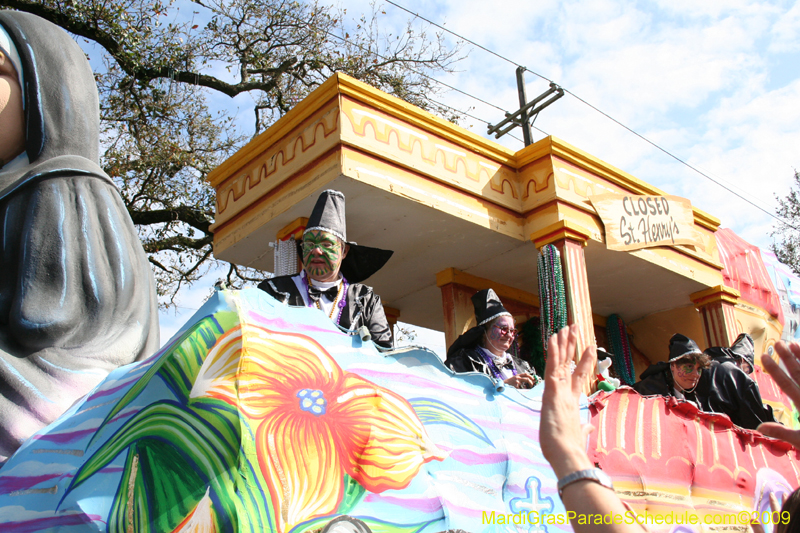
<point x="525" y="122"/>
<point x="527" y="110"/>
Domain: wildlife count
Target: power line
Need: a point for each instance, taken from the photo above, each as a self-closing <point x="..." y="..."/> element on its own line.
<point x="631" y="130"/>
<point x="474" y="117"/>
<point x="676" y="158"/>
<point x="470" y="41"/>
<point x="425" y="76"/>
<point x="460" y="91"/>
<point x="431" y="78"/>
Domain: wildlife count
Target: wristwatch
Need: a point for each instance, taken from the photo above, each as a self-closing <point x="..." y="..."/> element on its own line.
<point x="592" y="474"/>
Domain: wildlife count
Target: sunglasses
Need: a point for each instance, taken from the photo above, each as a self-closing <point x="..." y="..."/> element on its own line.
<point x="505" y="330"/>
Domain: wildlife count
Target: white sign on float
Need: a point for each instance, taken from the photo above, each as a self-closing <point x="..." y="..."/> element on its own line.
<point x="636" y="221"/>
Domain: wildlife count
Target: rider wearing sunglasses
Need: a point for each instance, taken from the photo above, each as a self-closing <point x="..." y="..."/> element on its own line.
<point x="489" y="347"/>
<point x="680" y="375"/>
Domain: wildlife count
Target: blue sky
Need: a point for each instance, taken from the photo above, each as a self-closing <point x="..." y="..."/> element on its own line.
<point x="717" y="83"/>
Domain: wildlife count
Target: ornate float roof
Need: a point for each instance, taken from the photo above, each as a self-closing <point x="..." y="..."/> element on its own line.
<point x="443" y="197"/>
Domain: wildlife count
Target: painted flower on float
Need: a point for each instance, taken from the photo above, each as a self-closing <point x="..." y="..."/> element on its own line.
<point x="313" y="421"/>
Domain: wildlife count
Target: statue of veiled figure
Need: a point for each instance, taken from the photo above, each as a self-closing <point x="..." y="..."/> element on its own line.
<point x="77" y="296"/>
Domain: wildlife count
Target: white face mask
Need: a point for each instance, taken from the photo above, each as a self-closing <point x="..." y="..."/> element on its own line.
<point x="12" y="108"/>
<point x="8" y="48"/>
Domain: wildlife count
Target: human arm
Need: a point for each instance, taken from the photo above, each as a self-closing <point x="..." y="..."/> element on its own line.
<point x="788" y="382"/>
<point x="375" y="320"/>
<point x="563" y="440"/>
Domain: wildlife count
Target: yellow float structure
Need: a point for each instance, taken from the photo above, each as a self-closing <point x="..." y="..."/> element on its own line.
<point x="463" y="213"/>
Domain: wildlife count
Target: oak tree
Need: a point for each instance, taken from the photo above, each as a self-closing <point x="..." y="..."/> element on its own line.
<point x="169" y="70"/>
<point x="787" y="237"/>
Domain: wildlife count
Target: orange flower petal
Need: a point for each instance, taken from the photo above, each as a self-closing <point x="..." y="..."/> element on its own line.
<point x="217" y="376"/>
<point x="275" y="366"/>
<point x="301" y="466"/>
<point x="385" y="443"/>
<point x="368" y="431"/>
<point x="259" y="370"/>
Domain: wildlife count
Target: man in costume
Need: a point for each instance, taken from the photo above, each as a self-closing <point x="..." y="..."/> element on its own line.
<point x="333" y="270"/>
<point x="77" y="296"/>
<point x="489" y="347"/>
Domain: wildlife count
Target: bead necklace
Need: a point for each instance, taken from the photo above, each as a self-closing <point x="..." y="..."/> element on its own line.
<point x="333" y="303"/>
<point x="552" y="297"/>
<point x="621" y="348"/>
<point x="494" y="368"/>
<point x="342" y="289"/>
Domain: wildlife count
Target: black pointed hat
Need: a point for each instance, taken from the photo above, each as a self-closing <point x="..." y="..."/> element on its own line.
<point x="681" y="345"/>
<point x="602" y="353"/>
<point x="744" y="348"/>
<point x="361" y="261"/>
<point x="487" y="306"/>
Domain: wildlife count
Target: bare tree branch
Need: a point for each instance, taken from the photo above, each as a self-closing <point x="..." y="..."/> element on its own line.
<point x="163" y="61"/>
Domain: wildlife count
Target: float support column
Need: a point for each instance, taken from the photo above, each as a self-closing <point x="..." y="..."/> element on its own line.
<point x="459" y="315"/>
<point x="457" y="290"/>
<point x="292" y="231"/>
<point x="570" y="239"/>
<point x="716" y="309"/>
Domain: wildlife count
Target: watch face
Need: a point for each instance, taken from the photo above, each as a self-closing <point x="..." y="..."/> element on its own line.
<point x="604" y="479"/>
<point x="593" y="474"/>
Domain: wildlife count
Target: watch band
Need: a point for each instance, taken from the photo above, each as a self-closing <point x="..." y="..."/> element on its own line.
<point x="592" y="474"/>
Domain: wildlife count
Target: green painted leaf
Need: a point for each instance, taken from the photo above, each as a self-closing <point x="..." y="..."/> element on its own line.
<point x="164" y="490"/>
<point x="158" y="485"/>
<point x="251" y="481"/>
<point x="172" y="486"/>
<point x="118" y="517"/>
<point x="353" y="493"/>
<point x="197" y="440"/>
<point x="182" y="362"/>
<point x="196" y="448"/>
<point x="432" y="411"/>
<point x="254" y="503"/>
<point x="221" y="415"/>
<point x="180" y="369"/>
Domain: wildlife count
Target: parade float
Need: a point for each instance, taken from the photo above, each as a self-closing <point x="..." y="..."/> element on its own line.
<point x="260" y="417"/>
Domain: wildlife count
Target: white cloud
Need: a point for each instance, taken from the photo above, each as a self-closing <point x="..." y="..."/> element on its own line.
<point x="691" y="76"/>
<point x="786" y="31"/>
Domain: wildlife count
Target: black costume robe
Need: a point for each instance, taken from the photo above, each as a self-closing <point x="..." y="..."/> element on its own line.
<point x="657" y="380"/>
<point x="465" y="355"/>
<point x="723" y="388"/>
<point x="77" y="296"/>
<point x="362" y="306"/>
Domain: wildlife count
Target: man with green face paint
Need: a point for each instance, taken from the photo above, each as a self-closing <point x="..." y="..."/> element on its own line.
<point x="332" y="271"/>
